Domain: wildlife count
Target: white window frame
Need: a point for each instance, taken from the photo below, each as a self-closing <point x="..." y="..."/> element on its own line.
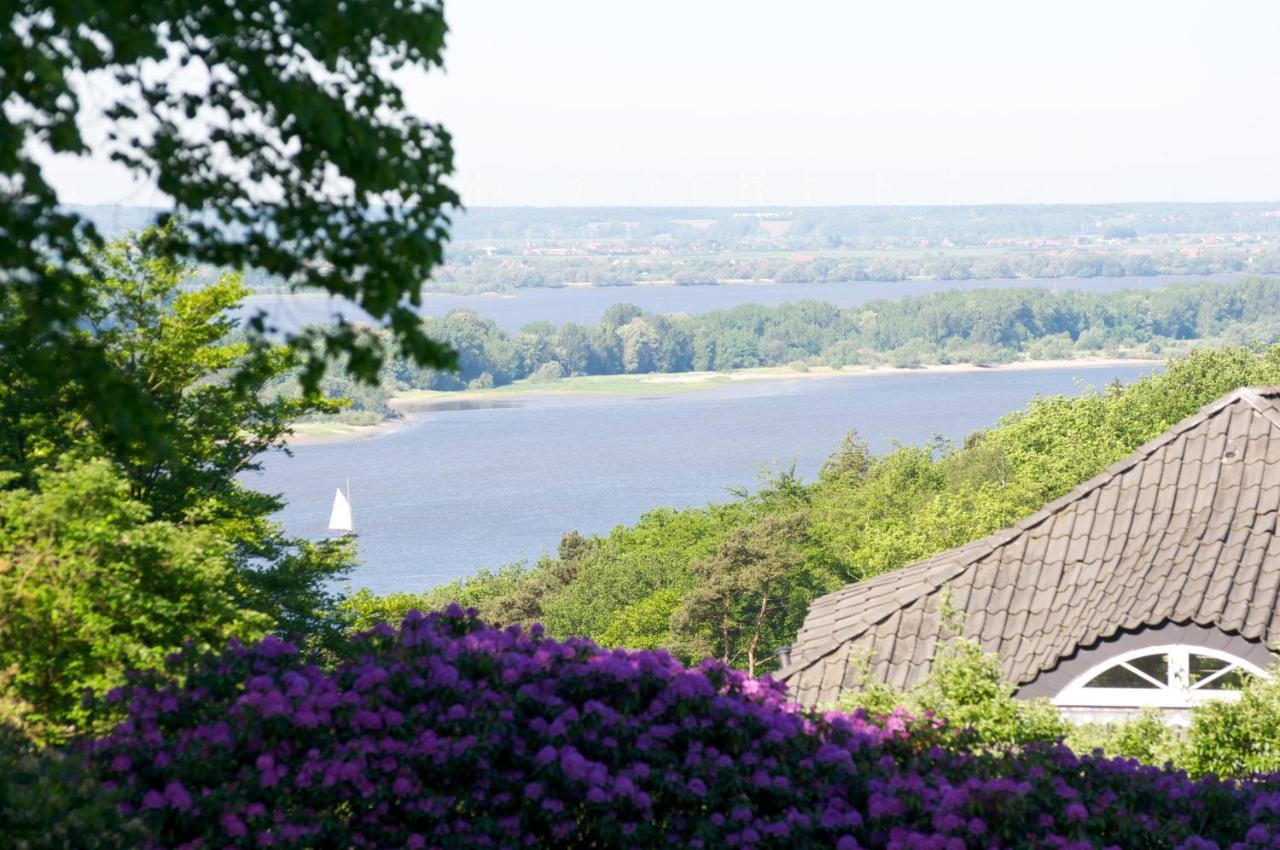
<point x="1177" y="693"/>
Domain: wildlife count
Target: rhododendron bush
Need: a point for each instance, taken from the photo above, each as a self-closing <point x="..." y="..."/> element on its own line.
<point x="447" y="733"/>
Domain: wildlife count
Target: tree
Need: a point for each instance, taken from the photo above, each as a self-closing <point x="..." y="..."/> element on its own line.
<point x="573" y="348"/>
<point x="181" y="351"/>
<point x="639" y="346"/>
<point x="748" y="594"/>
<point x="853" y="458"/>
<point x="91" y="585"/>
<point x="279" y="129"/>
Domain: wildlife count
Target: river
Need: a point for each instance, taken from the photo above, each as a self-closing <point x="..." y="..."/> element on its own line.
<point x="464" y="489"/>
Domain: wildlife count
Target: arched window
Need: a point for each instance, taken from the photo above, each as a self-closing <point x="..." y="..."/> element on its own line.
<point x="1175" y="676"/>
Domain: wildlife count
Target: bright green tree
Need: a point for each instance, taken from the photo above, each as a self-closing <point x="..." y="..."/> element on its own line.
<point x="91" y="585"/>
<point x="178" y="346"/>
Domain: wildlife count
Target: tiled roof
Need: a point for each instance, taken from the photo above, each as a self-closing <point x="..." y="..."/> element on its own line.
<point x="1183" y="531"/>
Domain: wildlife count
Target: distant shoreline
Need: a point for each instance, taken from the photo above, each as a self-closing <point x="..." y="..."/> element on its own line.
<point x="412" y="404"/>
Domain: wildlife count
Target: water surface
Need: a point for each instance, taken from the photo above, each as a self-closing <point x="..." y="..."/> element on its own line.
<point x="482" y="486"/>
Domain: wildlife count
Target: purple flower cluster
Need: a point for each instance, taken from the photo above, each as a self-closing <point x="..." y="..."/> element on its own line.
<point x="446" y="733"/>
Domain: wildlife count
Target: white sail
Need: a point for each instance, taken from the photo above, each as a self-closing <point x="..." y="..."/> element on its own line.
<point x="340" y="516"/>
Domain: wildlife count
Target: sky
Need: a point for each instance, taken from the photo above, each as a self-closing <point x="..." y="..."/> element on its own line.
<point x="832" y="102"/>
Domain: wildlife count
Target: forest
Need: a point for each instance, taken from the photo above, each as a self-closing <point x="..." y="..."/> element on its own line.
<point x="852" y="226"/>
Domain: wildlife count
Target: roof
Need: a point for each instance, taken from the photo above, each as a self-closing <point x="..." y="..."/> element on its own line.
<point x="1181" y="531"/>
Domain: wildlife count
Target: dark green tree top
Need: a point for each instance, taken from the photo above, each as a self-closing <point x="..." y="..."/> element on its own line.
<point x="278" y="130"/>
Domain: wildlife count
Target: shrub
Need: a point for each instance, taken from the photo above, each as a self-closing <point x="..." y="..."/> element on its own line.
<point x="1237" y="738"/>
<point x="1146" y="736"/>
<point x="447" y="733"/>
<point x="48" y="800"/>
<point x="966" y="687"/>
<point x="546" y="373"/>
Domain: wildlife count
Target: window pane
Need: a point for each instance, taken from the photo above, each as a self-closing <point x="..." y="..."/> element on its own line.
<point x="1155" y="666"/>
<point x="1119" y="677"/>
<point x="1232" y="680"/>
<point x="1202" y="667"/>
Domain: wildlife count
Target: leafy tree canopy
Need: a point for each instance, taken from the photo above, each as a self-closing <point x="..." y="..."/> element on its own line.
<point x="91" y="585"/>
<point x="279" y="130"/>
<point x="116" y="550"/>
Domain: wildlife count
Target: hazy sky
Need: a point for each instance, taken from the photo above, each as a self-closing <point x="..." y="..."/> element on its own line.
<point x="719" y="101"/>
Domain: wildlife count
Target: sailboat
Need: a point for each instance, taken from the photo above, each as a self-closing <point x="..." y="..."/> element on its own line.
<point x="340" y="516"/>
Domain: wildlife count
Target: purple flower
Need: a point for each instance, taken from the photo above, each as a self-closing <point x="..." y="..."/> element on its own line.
<point x="232" y="825"/>
<point x="448" y="733"/>
<point x="177" y="796"/>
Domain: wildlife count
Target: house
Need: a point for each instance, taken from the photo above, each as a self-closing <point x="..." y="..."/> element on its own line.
<point x="1154" y="584"/>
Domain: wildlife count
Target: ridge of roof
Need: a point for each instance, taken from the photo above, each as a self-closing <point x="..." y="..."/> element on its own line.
<point x="1257" y="398"/>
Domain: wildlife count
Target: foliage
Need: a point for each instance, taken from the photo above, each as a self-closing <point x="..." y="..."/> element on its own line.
<point x="471" y="269"/>
<point x="509" y="230"/>
<point x="446" y="733"/>
<point x="117" y="550"/>
<point x="966" y="687"/>
<point x="1241" y="737"/>
<point x="1227" y="738"/>
<point x="181" y="348"/>
<point x="1146" y="736"/>
<point x="748" y="590"/>
<point x="91" y="585"/>
<point x="365" y="609"/>
<point x="498" y="249"/>
<point x="49" y="801"/>
<point x="306" y="166"/>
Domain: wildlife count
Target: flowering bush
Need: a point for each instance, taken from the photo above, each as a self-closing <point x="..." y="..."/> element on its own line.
<point x="446" y="733"/>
